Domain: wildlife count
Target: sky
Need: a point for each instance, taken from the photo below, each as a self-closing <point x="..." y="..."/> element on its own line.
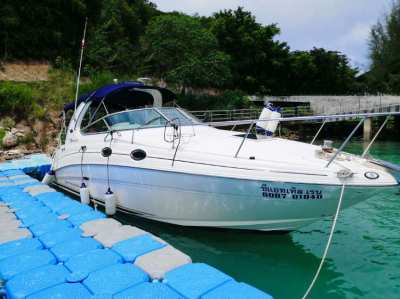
<point x="339" y="25"/>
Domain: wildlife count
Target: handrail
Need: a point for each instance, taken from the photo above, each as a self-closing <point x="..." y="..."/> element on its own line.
<point x="376" y="136"/>
<point x="301" y="118"/>
<point x="305" y="118"/>
<point x="319" y="131"/>
<point x="249" y="113"/>
<point x="244" y="139"/>
<point x="345" y="142"/>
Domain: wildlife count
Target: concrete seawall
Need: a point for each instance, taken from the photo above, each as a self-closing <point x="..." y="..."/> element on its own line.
<point x="338" y="104"/>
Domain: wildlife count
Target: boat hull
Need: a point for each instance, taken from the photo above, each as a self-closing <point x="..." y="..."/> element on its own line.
<point x="210" y="201"/>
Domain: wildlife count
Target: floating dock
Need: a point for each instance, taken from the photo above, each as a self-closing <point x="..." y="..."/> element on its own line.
<point x="52" y="246"/>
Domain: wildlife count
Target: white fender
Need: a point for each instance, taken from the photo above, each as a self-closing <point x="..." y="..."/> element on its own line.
<point x="84" y="194"/>
<point x="110" y="201"/>
<point x="268" y="128"/>
<point x="49" y="177"/>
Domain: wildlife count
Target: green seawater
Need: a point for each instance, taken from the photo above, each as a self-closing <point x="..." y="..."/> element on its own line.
<point x="363" y="261"/>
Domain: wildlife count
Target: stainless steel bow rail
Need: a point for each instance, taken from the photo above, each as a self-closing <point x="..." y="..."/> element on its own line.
<point x="323" y="118"/>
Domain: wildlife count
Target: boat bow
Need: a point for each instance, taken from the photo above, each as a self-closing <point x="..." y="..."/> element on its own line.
<point x="394" y="169"/>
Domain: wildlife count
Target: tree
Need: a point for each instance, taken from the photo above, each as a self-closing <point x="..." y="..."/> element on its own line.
<point x="258" y="61"/>
<point x="43" y="29"/>
<point x="114" y="43"/>
<point x="384" y="45"/>
<point x="180" y="50"/>
<point x="109" y="43"/>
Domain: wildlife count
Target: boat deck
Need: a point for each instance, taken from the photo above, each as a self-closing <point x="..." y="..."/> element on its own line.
<point x="52" y="246"/>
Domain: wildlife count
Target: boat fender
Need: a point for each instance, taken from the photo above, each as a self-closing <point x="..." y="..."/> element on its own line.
<point x="49" y="177"/>
<point x="268" y="128"/>
<point x="84" y="194"/>
<point x="110" y="202"/>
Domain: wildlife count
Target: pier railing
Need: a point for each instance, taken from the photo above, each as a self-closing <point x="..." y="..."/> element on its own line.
<point x="246" y="114"/>
<point x="239" y="114"/>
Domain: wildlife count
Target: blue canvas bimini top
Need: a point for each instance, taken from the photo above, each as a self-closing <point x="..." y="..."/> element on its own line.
<point x="121" y="90"/>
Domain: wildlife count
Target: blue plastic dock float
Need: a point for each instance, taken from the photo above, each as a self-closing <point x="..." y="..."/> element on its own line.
<point x="148" y="290"/>
<point x="195" y="280"/>
<point x="93" y="260"/>
<point x="49" y="249"/>
<point x="31" y="282"/>
<point x="131" y="248"/>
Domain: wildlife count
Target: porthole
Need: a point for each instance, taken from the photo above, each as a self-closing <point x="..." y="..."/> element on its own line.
<point x="371" y="175"/>
<point x="138" y="154"/>
<point x="106" y="152"/>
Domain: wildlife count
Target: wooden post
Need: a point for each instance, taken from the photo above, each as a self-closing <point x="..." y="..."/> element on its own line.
<point x="368" y="129"/>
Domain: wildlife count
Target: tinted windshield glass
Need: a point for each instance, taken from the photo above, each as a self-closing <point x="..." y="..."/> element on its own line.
<point x="139" y="118"/>
<point x="135" y="119"/>
<point x="174" y="114"/>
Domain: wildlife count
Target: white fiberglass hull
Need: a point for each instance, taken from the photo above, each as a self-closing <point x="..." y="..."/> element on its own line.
<point x="196" y="175"/>
<point x="210" y="201"/>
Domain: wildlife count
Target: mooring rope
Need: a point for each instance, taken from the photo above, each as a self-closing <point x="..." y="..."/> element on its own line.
<point x="328" y="244"/>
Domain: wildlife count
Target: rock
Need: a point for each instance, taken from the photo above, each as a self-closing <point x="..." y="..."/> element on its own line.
<point x="13" y="154"/>
<point x="13" y="131"/>
<point x="9" y="140"/>
<point x="23" y="127"/>
<point x="39" y="128"/>
<point x="20" y="134"/>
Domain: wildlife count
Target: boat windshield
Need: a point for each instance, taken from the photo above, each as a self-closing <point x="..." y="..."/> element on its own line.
<point x="147" y="117"/>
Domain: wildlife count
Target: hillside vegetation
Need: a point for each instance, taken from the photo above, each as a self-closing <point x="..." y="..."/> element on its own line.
<point x="229" y="50"/>
<point x="228" y="53"/>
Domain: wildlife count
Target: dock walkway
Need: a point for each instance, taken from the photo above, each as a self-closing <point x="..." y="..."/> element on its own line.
<point x="52" y="246"/>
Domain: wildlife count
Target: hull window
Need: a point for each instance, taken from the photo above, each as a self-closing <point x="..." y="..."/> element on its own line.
<point x="138" y="154"/>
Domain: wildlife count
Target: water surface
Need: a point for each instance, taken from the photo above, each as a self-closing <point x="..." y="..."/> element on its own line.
<point x="364" y="260"/>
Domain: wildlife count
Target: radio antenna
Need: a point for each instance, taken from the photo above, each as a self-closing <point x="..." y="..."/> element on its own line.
<point x="80" y="66"/>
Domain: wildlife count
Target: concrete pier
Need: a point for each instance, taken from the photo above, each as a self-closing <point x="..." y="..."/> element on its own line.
<point x="52" y="246"/>
<point x="367" y="129"/>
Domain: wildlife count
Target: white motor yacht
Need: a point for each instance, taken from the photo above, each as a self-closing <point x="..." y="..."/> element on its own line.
<point x="163" y="164"/>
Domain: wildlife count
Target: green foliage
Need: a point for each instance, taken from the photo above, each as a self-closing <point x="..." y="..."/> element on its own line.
<point x="229" y="99"/>
<point x="229" y="50"/>
<point x="321" y="72"/>
<point x="16" y="98"/>
<point x="55" y="92"/>
<point x="2" y="134"/>
<point x="114" y="42"/>
<point x="24" y="101"/>
<point x="27" y="139"/>
<point x="43" y="29"/>
<point x="7" y="123"/>
<point x="384" y="52"/>
<point x="97" y="79"/>
<point x="180" y="50"/>
<point x="258" y="60"/>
